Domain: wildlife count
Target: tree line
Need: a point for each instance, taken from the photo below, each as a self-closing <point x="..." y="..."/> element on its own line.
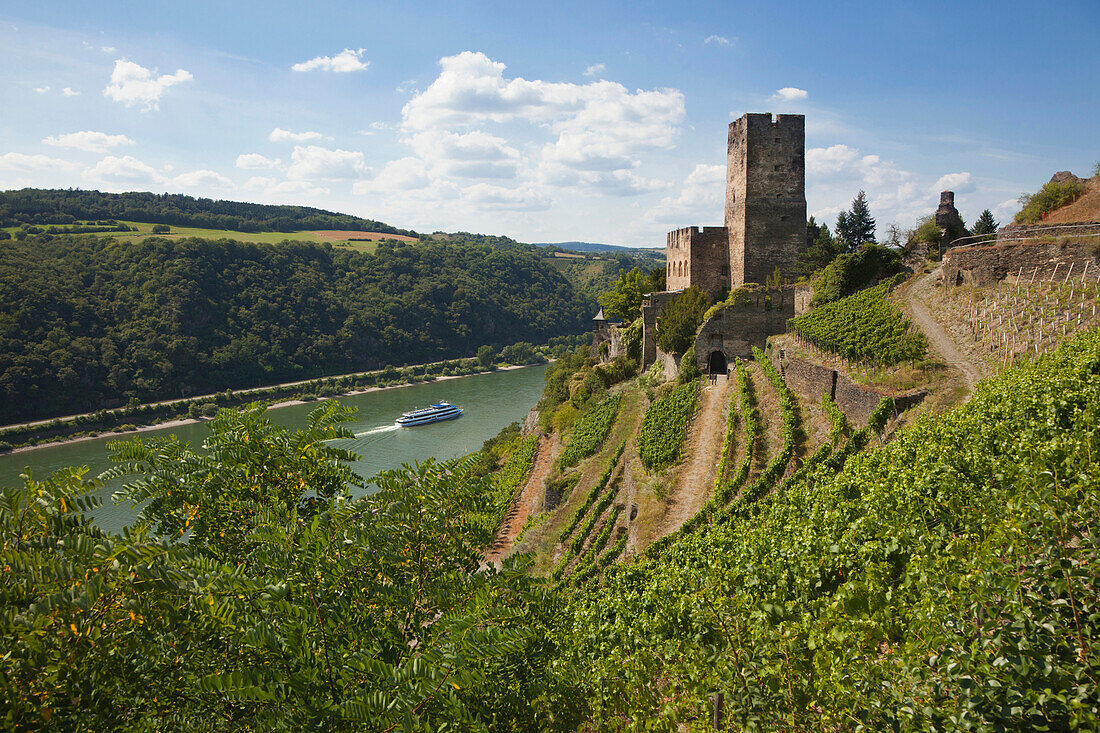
<point x="66" y="206"/>
<point x="88" y="322"/>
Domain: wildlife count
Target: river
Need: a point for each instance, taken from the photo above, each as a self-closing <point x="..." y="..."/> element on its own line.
<point x="490" y="402"/>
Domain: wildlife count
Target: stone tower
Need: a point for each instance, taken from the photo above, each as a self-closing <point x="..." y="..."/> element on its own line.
<point x="765" y="195"/>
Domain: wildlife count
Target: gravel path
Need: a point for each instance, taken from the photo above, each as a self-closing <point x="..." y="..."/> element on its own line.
<point x="916" y="305"/>
<point x="528" y="502"/>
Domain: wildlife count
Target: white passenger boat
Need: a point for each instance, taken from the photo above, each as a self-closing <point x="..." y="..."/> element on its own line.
<point x="435" y="413"/>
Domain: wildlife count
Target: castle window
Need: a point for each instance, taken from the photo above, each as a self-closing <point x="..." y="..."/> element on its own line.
<point x="779" y="168"/>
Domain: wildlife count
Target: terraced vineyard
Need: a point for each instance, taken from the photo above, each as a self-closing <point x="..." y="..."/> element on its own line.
<point x="865" y="327"/>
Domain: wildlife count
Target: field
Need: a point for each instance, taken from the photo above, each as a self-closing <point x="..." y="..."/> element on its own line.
<point x="336" y="238"/>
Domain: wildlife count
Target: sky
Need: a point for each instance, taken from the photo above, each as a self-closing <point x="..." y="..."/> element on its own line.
<point x="545" y="122"/>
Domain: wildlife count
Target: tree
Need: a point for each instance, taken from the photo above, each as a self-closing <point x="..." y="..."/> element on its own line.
<point x="985" y="224"/>
<point x="856" y="226"/>
<point x="161" y="229"/>
<point x="822" y="250"/>
<point x="678" y="322"/>
<point x="624" y="300"/>
<point x="485" y="356"/>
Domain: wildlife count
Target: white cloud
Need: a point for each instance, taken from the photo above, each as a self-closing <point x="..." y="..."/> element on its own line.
<point x="700" y="199"/>
<point x="202" y="179"/>
<point x="790" y="94"/>
<point x="133" y="84"/>
<point x="719" y="40"/>
<point x="345" y="61"/>
<point x="595" y="69"/>
<point x="403" y="174"/>
<point x="474" y="154"/>
<point x="255" y="161"/>
<point x="525" y="198"/>
<point x="42" y="90"/>
<point x="88" y="140"/>
<point x="957" y="182"/>
<point x="125" y="170"/>
<point x="108" y="49"/>
<point x="22" y="163"/>
<point x="279" y="135"/>
<point x="69" y="92"/>
<point x="1005" y="210"/>
<point x="312" y="161"/>
<point x="283" y="190"/>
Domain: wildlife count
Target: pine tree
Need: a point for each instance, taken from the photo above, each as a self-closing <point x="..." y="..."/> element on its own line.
<point x="856" y="226"/>
<point x="985" y="224"/>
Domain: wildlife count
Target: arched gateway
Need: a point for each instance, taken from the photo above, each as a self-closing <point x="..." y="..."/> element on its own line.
<point x="716" y="363"/>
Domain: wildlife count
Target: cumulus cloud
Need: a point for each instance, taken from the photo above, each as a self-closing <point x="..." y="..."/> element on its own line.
<point x="69" y="92"/>
<point x="312" y="161"/>
<point x="255" y="161"/>
<point x="717" y="40"/>
<point x="403" y="174"/>
<point x="88" y="140"/>
<point x="343" y="62"/>
<point x="42" y="90"/>
<point x="474" y="154"/>
<point x="595" y="70"/>
<point x="700" y="199"/>
<point x="957" y="182"/>
<point x="133" y="84"/>
<point x="125" y="169"/>
<point x="279" y="135"/>
<point x="108" y="49"/>
<point x="202" y="179"/>
<point x="22" y="163"/>
<point x="790" y="94"/>
<point x="268" y="187"/>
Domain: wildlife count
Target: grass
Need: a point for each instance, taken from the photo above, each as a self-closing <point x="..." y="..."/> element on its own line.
<point x="178" y="232"/>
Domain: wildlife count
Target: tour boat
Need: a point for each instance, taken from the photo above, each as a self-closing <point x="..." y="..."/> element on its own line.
<point x="435" y="413"/>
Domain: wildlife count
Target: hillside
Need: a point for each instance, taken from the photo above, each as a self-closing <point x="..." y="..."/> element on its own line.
<point x="87" y="321"/>
<point x="43" y="207"/>
<point x="1086" y="208"/>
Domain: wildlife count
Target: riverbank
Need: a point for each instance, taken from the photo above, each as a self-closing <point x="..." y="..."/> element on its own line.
<point x="284" y="403"/>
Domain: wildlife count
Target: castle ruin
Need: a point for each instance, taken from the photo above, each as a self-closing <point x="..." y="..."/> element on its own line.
<point x="765" y="230"/>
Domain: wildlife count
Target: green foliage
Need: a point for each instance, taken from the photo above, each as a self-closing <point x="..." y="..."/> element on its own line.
<point x="485" y="356"/>
<point x="41" y="206"/>
<point x="1053" y="195"/>
<point x="85" y="320"/>
<point x="854" y="271"/>
<point x="947" y="581"/>
<point x="590" y="431"/>
<point x="632" y="340"/>
<point x="579" y="513"/>
<point x="926" y="232"/>
<point x="689" y="367"/>
<point x="663" y="426"/>
<point x="313" y="611"/>
<point x="724" y="490"/>
<point x="624" y="300"/>
<point x="856" y="227"/>
<point x="862" y="327"/>
<point x="680" y="319"/>
<point x="985" y="223"/>
<point x="821" y="250"/>
<point x="520" y="353"/>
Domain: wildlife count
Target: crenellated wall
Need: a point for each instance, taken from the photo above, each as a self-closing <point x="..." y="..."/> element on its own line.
<point x="698" y="257"/>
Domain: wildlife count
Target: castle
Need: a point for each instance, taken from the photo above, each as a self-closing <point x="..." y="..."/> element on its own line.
<point x="765" y="230"/>
<point x="765" y="217"/>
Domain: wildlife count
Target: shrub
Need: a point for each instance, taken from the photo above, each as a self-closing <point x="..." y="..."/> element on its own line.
<point x="689" y="367"/>
<point x="678" y="322"/>
<point x="851" y="272"/>
<point x="1053" y="195"/>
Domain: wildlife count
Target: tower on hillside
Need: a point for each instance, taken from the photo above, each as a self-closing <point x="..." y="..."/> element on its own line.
<point x="765" y="195"/>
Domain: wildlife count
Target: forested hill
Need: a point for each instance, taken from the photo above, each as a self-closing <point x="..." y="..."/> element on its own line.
<point x="58" y="206"/>
<point x="85" y="319"/>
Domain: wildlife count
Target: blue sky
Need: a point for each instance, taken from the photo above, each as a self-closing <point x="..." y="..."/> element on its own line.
<point x="595" y="121"/>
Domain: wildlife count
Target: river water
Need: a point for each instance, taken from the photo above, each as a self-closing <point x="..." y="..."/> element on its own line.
<point x="490" y="402"/>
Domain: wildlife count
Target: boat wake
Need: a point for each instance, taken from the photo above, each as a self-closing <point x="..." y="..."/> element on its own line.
<point x="380" y="429"/>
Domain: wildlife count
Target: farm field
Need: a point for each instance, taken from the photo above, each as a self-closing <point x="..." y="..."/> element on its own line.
<point x="336" y="238"/>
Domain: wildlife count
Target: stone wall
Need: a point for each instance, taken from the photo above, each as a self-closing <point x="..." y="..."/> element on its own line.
<point x="1030" y="260"/>
<point x="698" y="257"/>
<point x="735" y="329"/>
<point x="765" y="195"/>
<point x="672" y="365"/>
<point x="803" y="296"/>
<point x="809" y="381"/>
<point x="652" y="305"/>
<point x="1013" y="231"/>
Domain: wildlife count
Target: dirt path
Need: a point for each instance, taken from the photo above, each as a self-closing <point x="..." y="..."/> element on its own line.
<point x="915" y="304"/>
<point x="694" y="481"/>
<point x="528" y="502"/>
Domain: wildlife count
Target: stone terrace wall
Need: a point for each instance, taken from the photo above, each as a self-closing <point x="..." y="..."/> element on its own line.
<point x="809" y="381"/>
<point x="989" y="264"/>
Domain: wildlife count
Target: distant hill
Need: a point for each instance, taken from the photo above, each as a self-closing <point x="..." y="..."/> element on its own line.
<point x="58" y="206"/>
<point x="597" y="247"/>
